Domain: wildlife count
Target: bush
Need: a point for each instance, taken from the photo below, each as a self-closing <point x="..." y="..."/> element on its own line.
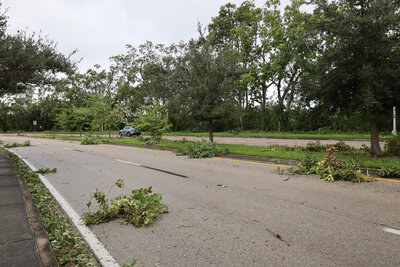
<point x="342" y="146"/>
<point x="393" y="172"/>
<point x="314" y="147"/>
<point x="392" y="146"/>
<point x="203" y="149"/>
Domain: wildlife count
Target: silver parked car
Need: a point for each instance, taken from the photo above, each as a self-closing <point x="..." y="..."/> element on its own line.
<point x="129" y="131"/>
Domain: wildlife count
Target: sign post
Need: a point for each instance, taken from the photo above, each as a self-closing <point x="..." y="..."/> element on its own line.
<point x="394" y="132"/>
<point x="34" y="125"/>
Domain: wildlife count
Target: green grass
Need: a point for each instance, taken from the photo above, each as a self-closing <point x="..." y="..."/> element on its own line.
<point x="279" y="152"/>
<point x="304" y="135"/>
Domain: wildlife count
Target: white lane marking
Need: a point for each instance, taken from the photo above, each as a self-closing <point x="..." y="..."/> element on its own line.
<point x="391" y="230"/>
<point x="67" y="148"/>
<point x="97" y="247"/>
<point x="127" y="162"/>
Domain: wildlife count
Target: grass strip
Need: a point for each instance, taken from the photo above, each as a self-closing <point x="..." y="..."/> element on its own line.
<point x="69" y="247"/>
<point x="278" y="152"/>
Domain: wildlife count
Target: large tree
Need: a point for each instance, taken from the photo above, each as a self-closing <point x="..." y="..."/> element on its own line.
<point x="206" y="81"/>
<point x="28" y="60"/>
<point x="358" y="60"/>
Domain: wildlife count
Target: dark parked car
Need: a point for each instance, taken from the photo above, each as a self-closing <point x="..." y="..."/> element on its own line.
<point x="129" y="131"/>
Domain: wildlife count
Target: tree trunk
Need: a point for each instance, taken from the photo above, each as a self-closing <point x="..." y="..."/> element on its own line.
<point x="109" y="132"/>
<point x="210" y="130"/>
<point x="375" y="147"/>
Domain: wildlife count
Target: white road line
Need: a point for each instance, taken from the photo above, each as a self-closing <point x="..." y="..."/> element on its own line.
<point x="67" y="148"/>
<point x="101" y="253"/>
<point x="127" y="162"/>
<point x="391" y="230"/>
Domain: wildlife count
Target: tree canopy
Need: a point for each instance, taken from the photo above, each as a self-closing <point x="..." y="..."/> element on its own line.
<point x="28" y="60"/>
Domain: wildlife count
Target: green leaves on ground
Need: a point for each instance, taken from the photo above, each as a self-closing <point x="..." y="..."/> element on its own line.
<point x="203" y="149"/>
<point x="8" y="145"/>
<point x="68" y="246"/>
<point x="90" y="140"/>
<point x="393" y="172"/>
<point x="140" y="208"/>
<point x="331" y="169"/>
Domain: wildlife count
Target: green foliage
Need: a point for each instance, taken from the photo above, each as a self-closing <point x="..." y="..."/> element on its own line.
<point x="28" y="60"/>
<point x="343" y="147"/>
<point x="392" y="146"/>
<point x="393" y="172"/>
<point x="307" y="165"/>
<point x="74" y="118"/>
<point x="314" y="147"/>
<point x="46" y="170"/>
<point x="134" y="261"/>
<point x="153" y="120"/>
<point x="8" y="145"/>
<point x="203" y="149"/>
<point x="140" y="208"/>
<point x="330" y="169"/>
<point x="90" y="140"/>
<point x="68" y="246"/>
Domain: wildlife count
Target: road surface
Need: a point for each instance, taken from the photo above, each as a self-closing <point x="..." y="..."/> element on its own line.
<point x="226" y="212"/>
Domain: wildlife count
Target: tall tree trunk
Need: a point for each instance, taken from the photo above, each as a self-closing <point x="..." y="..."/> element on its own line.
<point x="210" y="130"/>
<point x="375" y="147"/>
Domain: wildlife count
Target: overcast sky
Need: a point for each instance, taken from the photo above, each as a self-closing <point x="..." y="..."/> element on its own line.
<point x="101" y="28"/>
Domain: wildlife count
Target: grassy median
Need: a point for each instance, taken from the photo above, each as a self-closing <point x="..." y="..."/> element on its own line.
<point x="362" y="157"/>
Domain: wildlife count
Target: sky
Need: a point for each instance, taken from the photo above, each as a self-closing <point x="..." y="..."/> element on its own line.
<point x="99" y="29"/>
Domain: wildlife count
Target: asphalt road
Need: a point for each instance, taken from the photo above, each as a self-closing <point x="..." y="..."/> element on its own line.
<point x="256" y="218"/>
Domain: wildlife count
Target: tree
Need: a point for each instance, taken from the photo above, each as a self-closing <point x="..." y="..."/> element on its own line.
<point x="358" y="60"/>
<point x="28" y="60"/>
<point x="154" y="120"/>
<point x="239" y="28"/>
<point x="74" y="119"/>
<point x="207" y="91"/>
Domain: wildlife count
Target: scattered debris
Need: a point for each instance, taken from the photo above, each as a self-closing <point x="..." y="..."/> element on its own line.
<point x="222" y="185"/>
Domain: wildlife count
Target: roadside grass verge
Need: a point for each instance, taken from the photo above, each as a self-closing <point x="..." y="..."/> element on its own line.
<point x="278" y="152"/>
<point x="68" y="246"/>
<point x="303" y="135"/>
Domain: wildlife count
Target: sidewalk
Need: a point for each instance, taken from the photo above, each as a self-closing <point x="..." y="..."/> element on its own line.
<point x="17" y="242"/>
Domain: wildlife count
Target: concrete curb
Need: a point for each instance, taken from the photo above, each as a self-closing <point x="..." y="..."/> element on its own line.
<point x="43" y="245"/>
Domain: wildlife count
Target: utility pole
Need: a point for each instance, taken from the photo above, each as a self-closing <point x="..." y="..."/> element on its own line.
<point x="394" y="132"/>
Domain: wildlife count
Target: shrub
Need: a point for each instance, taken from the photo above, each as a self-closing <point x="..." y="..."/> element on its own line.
<point x="342" y="147"/>
<point x="392" y="146"/>
<point x="203" y="149"/>
<point x="314" y="147"/>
